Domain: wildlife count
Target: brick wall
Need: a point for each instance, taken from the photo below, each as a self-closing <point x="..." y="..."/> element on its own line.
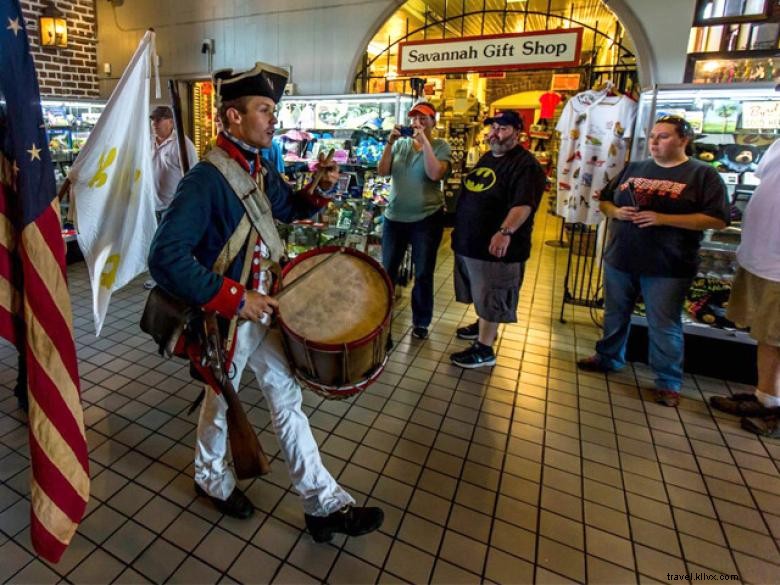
<point x="516" y="82"/>
<point x="70" y="72"/>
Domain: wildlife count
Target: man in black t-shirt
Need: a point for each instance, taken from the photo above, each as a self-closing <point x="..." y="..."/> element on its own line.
<point x="492" y="237"/>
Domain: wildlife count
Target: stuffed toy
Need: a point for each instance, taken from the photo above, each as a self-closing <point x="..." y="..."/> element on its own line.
<point x="739" y="158"/>
<point x="709" y="153"/>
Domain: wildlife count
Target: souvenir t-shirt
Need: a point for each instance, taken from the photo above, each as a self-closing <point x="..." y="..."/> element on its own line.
<point x="691" y="187"/>
<point x="489" y="191"/>
<point x="594" y="127"/>
<point x="413" y="196"/>
<point x="759" y="250"/>
<point x="548" y="102"/>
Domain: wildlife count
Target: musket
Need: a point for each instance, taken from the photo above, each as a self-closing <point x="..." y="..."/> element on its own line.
<point x="249" y="460"/>
<point x="179" y="125"/>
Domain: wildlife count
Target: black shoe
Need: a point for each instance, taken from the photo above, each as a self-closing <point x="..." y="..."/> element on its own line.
<point x="420" y="332"/>
<point x="476" y="356"/>
<point x="469" y="331"/>
<point x="350" y="520"/>
<point x="237" y="505"/>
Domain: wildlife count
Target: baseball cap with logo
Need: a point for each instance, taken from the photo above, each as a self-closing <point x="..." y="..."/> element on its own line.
<point x="506" y="118"/>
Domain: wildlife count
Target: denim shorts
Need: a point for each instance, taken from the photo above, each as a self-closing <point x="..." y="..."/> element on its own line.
<point x="493" y="287"/>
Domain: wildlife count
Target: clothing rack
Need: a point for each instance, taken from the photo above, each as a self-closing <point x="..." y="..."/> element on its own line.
<point x="584" y="267"/>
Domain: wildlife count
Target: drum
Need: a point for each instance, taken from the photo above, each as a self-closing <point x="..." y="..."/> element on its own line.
<point x="336" y="321"/>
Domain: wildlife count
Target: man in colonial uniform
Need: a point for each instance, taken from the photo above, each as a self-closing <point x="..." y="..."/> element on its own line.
<point x="215" y="250"/>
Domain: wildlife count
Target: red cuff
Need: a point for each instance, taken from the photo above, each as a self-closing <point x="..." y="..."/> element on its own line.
<point x="314" y="199"/>
<point x="227" y="299"/>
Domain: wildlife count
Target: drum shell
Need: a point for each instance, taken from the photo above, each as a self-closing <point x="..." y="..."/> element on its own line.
<point x="344" y="366"/>
<point x="339" y="369"/>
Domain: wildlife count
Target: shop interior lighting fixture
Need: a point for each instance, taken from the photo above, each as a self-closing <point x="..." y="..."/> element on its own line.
<point x="52" y="28"/>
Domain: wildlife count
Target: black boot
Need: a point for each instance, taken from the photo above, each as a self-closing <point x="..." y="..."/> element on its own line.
<point x="350" y="520"/>
<point x="237" y="505"/>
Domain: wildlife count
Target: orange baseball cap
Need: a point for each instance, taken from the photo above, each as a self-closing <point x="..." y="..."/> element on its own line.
<point x="423" y="109"/>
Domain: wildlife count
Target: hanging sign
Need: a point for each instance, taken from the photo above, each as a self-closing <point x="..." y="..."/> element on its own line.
<point x="565" y="82"/>
<point x="532" y="50"/>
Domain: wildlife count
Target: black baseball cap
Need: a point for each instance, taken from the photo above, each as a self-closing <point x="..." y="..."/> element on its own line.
<point x="506" y="118"/>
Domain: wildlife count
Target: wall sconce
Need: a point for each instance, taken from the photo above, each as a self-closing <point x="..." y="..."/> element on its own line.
<point x="52" y="28"/>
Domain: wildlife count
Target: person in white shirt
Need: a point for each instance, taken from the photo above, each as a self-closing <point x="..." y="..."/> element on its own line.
<point x="166" y="161"/>
<point x="755" y="300"/>
<point x="165" y="156"/>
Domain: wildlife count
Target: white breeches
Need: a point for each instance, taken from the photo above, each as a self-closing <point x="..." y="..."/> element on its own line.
<point x="261" y="349"/>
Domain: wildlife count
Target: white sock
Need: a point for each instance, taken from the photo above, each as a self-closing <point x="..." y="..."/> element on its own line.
<point x="768" y="400"/>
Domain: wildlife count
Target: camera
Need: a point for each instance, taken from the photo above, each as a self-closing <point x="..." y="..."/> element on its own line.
<point x="407" y="131"/>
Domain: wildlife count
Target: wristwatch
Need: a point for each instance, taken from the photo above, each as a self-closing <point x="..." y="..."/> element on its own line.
<point x="505" y="231"/>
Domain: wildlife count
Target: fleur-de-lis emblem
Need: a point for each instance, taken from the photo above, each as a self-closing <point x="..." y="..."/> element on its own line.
<point x="105" y="161"/>
<point x="108" y="276"/>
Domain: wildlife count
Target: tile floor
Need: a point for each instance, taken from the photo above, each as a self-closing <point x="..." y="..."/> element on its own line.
<point x="526" y="472"/>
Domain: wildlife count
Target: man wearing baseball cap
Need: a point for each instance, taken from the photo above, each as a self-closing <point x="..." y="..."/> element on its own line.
<point x="166" y="163"/>
<point x="414" y="215"/>
<point x="206" y="253"/>
<point x="492" y="236"/>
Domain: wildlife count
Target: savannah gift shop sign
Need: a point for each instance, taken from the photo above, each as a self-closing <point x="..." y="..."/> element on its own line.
<point x="532" y="50"/>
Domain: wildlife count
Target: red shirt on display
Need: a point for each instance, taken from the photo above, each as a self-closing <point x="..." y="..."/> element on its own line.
<point x="548" y="100"/>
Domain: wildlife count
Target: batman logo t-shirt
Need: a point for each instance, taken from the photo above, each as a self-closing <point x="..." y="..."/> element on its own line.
<point x="489" y="191"/>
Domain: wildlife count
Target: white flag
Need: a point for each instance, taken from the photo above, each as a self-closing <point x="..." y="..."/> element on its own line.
<point x="113" y="185"/>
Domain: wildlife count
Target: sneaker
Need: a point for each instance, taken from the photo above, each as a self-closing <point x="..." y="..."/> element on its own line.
<point x="668" y="398"/>
<point x="420" y="332"/>
<point x="469" y="331"/>
<point x="742" y="404"/>
<point x="350" y="520"/>
<point x="476" y="356"/>
<point x="150" y="284"/>
<point x="767" y="426"/>
<point x="593" y="364"/>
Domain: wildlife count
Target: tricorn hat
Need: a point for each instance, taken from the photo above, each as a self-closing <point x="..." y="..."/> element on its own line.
<point x="263" y="80"/>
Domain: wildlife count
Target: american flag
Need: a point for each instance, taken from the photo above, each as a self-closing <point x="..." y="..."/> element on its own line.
<point x="35" y="312"/>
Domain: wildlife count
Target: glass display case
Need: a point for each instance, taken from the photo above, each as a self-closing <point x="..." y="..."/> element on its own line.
<point x="734" y="41"/>
<point x="734" y="125"/>
<point x="354" y="125"/>
<point x="68" y="125"/>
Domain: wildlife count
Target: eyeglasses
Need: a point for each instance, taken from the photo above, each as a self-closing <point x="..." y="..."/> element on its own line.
<point x="681" y="123"/>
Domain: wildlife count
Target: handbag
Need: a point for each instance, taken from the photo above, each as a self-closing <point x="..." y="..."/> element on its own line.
<point x="166" y="318"/>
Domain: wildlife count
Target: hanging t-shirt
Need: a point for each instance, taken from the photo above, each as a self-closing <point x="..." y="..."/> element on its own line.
<point x="489" y="191"/>
<point x="594" y="127"/>
<point x="759" y="250"/>
<point x="548" y="101"/>
<point x="691" y="187"/>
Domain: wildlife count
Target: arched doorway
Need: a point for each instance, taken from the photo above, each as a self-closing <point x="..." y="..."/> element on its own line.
<point x="608" y="51"/>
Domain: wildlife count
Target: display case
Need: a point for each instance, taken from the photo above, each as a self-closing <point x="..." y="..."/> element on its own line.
<point x="734" y="125"/>
<point x="734" y="41"/>
<point x="68" y="125"/>
<point x="355" y="125"/>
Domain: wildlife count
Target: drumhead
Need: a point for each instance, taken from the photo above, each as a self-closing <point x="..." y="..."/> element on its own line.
<point x="345" y="301"/>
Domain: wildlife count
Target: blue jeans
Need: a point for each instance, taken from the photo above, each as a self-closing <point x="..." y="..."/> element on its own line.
<point x="663" y="299"/>
<point x="424" y="236"/>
